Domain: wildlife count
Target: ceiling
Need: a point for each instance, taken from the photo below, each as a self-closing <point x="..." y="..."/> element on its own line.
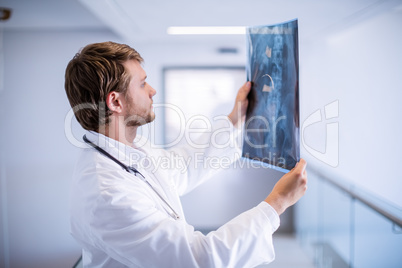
<point x="147" y="21"/>
<point x="48" y="15"/>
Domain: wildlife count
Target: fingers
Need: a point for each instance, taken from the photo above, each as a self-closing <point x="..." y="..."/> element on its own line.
<point x="239" y="110"/>
<point x="301" y="166"/>
<point x="302" y="172"/>
<point x="243" y="91"/>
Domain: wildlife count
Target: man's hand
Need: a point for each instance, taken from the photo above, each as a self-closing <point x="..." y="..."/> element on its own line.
<point x="289" y="189"/>
<point x="238" y="113"/>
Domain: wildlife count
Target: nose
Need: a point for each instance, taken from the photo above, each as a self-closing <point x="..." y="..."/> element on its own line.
<point x="152" y="91"/>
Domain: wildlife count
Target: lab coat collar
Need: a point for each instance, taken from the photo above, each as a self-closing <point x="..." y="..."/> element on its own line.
<point x="126" y="154"/>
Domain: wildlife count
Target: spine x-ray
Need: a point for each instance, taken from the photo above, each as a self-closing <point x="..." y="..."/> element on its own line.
<point x="272" y="119"/>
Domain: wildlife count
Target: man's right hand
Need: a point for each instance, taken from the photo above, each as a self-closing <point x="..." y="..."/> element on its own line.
<point x="289" y="189"/>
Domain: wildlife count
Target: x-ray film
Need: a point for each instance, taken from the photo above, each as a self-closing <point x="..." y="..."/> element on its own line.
<point x="272" y="119"/>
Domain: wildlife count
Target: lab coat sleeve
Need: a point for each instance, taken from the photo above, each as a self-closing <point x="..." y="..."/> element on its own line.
<point x="126" y="225"/>
<point x="215" y="149"/>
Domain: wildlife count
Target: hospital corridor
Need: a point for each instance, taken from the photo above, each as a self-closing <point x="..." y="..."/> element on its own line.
<point x="343" y="60"/>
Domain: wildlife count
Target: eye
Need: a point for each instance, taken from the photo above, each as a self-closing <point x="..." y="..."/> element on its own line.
<point x="143" y="84"/>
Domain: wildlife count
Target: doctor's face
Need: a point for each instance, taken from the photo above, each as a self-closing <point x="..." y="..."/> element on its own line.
<point x="138" y="99"/>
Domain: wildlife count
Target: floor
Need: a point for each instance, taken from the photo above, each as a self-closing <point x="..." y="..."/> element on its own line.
<point x="289" y="254"/>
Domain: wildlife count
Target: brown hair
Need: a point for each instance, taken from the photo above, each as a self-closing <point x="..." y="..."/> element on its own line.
<point x="91" y="75"/>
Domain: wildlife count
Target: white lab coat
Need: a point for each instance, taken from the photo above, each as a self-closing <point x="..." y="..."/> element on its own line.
<point x="120" y="222"/>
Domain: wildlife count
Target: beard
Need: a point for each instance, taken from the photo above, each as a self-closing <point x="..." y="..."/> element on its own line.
<point x="135" y="118"/>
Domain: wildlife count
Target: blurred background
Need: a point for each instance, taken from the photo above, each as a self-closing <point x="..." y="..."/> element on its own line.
<point x="350" y="92"/>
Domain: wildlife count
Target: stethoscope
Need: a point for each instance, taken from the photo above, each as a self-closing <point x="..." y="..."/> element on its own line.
<point x="132" y="170"/>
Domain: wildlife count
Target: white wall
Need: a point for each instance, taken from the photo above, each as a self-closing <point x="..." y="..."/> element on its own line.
<point x="359" y="65"/>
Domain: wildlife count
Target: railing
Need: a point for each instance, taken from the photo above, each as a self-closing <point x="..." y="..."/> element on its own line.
<point x="340" y="225"/>
<point x="378" y="206"/>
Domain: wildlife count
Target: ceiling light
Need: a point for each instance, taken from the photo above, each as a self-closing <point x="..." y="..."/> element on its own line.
<point x="206" y="30"/>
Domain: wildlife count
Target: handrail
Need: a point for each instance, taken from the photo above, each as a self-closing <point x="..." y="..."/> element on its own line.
<point x="396" y="219"/>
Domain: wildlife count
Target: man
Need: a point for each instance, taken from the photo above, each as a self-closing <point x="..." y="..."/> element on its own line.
<point x="127" y="214"/>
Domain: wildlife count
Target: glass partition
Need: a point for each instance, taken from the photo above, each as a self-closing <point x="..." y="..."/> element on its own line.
<point x="338" y="230"/>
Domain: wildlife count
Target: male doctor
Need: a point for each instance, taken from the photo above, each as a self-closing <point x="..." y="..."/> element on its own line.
<point x="128" y="214"/>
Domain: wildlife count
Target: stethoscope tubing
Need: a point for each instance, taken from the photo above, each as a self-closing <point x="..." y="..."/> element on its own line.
<point x="129" y="170"/>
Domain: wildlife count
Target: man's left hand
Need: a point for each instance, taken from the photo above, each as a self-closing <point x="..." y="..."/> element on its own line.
<point x="238" y="113"/>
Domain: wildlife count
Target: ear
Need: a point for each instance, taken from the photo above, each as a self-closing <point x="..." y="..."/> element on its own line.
<point x="114" y="102"/>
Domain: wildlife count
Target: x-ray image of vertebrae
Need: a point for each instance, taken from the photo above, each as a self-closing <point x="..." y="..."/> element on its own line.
<point x="272" y="120"/>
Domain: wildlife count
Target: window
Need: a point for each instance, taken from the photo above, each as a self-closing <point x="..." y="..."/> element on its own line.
<point x="196" y="94"/>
